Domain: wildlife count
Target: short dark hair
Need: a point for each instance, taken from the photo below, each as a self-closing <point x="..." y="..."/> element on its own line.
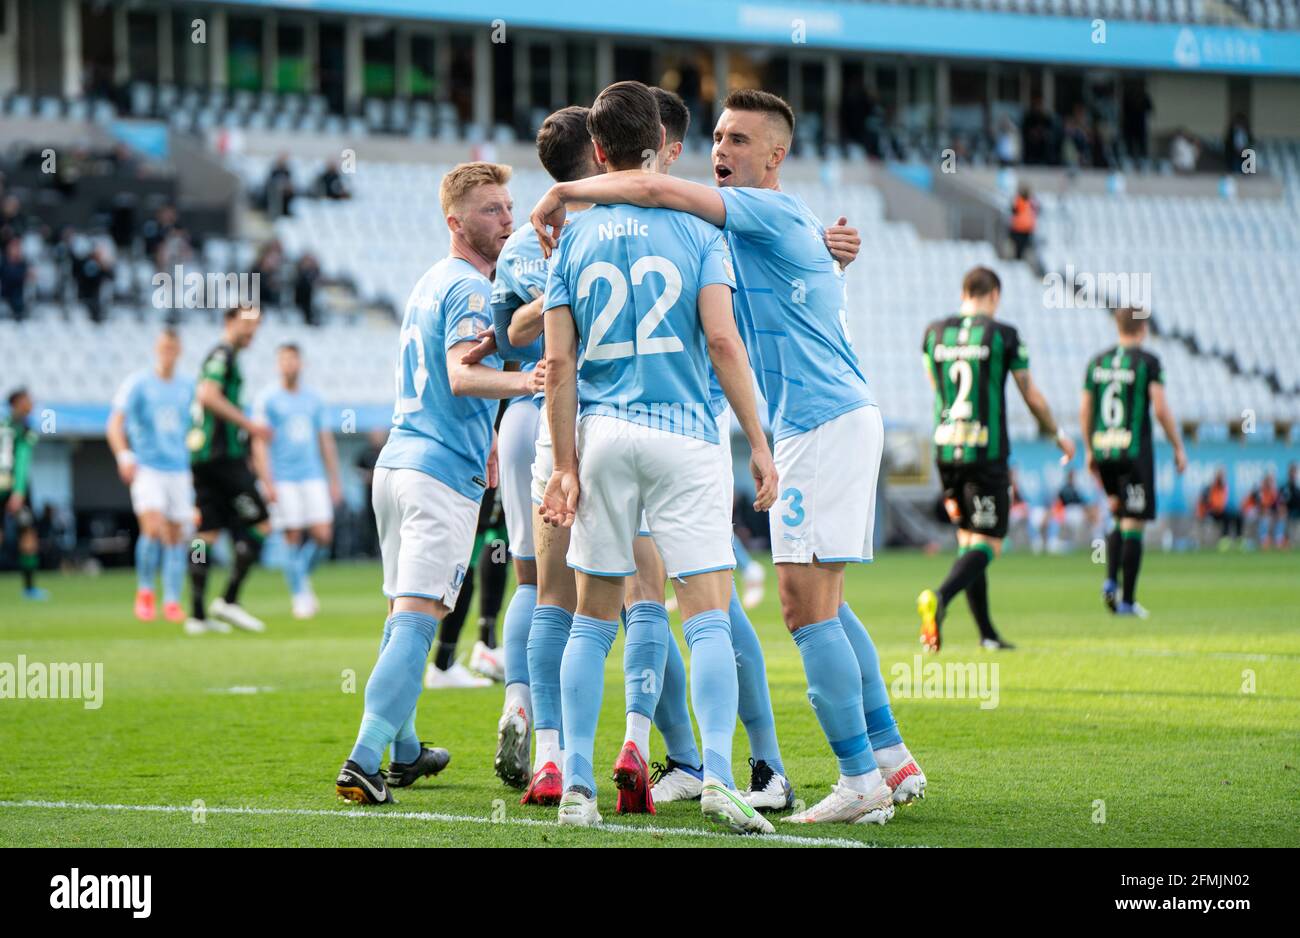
<point x="673" y="114"/>
<point x="15" y="394"/>
<point x="980" y="282"/>
<point x="624" y="120"/>
<point x="564" y="144"/>
<point x="1130" y="320"/>
<point x="289" y="347"/>
<point x="752" y="99"/>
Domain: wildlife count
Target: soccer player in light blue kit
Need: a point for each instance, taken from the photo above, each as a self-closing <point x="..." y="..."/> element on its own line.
<point x="146" y="431"/>
<point x="829" y="436"/>
<point x="299" y="469"/>
<point x="431" y="474"/>
<point x="637" y="305"/>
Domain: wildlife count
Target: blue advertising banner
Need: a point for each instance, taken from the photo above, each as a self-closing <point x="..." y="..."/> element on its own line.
<point x="877" y="28"/>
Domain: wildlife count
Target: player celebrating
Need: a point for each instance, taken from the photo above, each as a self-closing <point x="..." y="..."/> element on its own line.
<point x="432" y="473"/>
<point x="967" y="359"/>
<point x="224" y="488"/>
<point x="829" y="435"/>
<point x="146" y="432"/>
<point x="17" y="440"/>
<point x="648" y="441"/>
<point x="1120" y="389"/>
<point x="299" y="471"/>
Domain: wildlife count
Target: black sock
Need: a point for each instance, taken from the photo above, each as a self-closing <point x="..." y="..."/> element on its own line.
<point x="965" y="568"/>
<point x="977" y="597"/>
<point x="1112" y="554"/>
<point x="198" y="585"/>
<point x="487" y="632"/>
<point x="1132" y="560"/>
<point x="492" y="578"/>
<point x="449" y="628"/>
<point x="247" y="549"/>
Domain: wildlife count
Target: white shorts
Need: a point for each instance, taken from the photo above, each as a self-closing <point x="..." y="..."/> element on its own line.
<point x="301" y="505"/>
<point x="725" y="465"/>
<point x="516" y="444"/>
<point x="426" y="534"/>
<point x="169" y="493"/>
<point x="827" y="504"/>
<point x="624" y="469"/>
<point x="543" y="456"/>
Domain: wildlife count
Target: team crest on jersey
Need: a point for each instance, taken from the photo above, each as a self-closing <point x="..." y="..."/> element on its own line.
<point x="476" y="302"/>
<point x="471" y="326"/>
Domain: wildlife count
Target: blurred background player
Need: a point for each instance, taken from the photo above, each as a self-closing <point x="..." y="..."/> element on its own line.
<point x="828" y="414"/>
<point x="299" y="471"/>
<point x="146" y="431"/>
<point x="225" y="491"/>
<point x="967" y="359"/>
<point x="1263" y="507"/>
<point x="430" y="478"/>
<point x="1121" y="388"/>
<point x="444" y="671"/>
<point x="17" y="440"/>
<point x="674" y="276"/>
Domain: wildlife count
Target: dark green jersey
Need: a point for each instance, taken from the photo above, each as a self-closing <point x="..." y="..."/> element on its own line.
<point x="17" y="441"/>
<point x="1120" y="380"/>
<point x="210" y="437"/>
<point x="969" y="358"/>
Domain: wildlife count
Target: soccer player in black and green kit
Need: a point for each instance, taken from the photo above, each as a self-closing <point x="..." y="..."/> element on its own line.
<point x="1121" y="388"/>
<point x="225" y="491"/>
<point x="17" y="440"/>
<point x="967" y="359"/>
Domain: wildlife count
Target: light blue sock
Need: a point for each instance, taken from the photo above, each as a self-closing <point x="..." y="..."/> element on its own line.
<point x="645" y="654"/>
<point x="148" y="551"/>
<point x="291" y="568"/>
<point x="519" y="622"/>
<point x="743" y="559"/>
<point x="305" y="558"/>
<point x="835" y="691"/>
<point x="406" y="746"/>
<point x="582" y="684"/>
<point x="673" y="715"/>
<point x="713" y="689"/>
<point x="546" y="641"/>
<point x="175" y="562"/>
<point x="882" y="728"/>
<point x="755" y="705"/>
<point x="394" y="685"/>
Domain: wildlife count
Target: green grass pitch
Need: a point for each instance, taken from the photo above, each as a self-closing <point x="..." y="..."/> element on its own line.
<point x="1180" y="730"/>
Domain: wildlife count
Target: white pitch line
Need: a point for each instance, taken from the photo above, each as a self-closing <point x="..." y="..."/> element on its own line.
<point x="355" y="813"/>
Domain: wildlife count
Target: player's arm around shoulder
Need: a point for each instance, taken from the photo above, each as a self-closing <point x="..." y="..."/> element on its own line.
<point x="626" y="187"/>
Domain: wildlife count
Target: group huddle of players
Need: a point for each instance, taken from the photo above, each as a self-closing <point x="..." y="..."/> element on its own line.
<point x="627" y="327"/>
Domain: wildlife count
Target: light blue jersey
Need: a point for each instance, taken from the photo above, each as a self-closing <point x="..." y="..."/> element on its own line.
<point x="791" y="308"/>
<point x="520" y="279"/>
<point x="434" y="431"/>
<point x="297" y="418"/>
<point x="632" y="277"/>
<point x="157" y="417"/>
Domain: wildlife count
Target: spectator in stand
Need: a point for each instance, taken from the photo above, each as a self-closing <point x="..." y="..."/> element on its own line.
<point x="1007" y="143"/>
<point x="156" y="231"/>
<point x="1024" y="219"/>
<point x="1184" y="151"/>
<point x="1214" y="504"/>
<point x="92" y="272"/>
<point x="1136" y="116"/>
<point x="1038" y="133"/>
<point x="1264" y="506"/>
<point x="330" y="183"/>
<point x="13" y="224"/>
<point x="1289" y="498"/>
<point x="1076" y="145"/>
<point x="268" y="267"/>
<point x="15" y="274"/>
<point x="304" y="288"/>
<point x="279" y="188"/>
<point x="1235" y="142"/>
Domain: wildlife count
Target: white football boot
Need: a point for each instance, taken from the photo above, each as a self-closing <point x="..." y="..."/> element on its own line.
<point x="768" y="789"/>
<point x="905" y="780"/>
<point x="514" y="742"/>
<point x="488" y="662"/>
<point x="578" y="809"/>
<point x="846" y="806"/>
<point x="454" y="677"/>
<point x="674" y="783"/>
<point x="726" y="808"/>
<point x="236" y="615"/>
<point x="195" y="626"/>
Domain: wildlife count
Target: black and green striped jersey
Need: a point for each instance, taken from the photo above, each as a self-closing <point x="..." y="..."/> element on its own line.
<point x="969" y="358"/>
<point x="210" y="437"/>
<point x="1120" y="380"/>
<point x="17" y="441"/>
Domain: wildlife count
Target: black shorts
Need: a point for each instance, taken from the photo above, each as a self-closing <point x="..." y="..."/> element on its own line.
<point x="982" y="492"/>
<point x="1132" y="482"/>
<point x="24" y="518"/>
<point x="226" y="495"/>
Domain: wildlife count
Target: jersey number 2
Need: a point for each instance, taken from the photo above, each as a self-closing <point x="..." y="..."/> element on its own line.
<point x="618" y="289"/>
